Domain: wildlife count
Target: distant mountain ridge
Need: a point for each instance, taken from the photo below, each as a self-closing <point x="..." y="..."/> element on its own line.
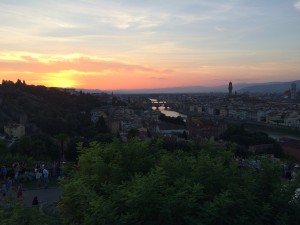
<point x="270" y="87"/>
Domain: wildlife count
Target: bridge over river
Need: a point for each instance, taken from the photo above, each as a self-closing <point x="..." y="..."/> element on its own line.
<point x="164" y="108"/>
<point x="158" y="105"/>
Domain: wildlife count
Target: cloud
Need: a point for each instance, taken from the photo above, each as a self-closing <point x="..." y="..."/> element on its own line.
<point x="76" y="70"/>
<point x="24" y="62"/>
<point x="220" y="29"/>
<point x="297" y="5"/>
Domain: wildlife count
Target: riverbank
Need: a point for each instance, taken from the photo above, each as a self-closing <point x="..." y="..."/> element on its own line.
<point x="275" y="132"/>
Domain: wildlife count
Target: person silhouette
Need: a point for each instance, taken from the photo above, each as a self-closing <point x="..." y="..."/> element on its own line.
<point x="35" y="201"/>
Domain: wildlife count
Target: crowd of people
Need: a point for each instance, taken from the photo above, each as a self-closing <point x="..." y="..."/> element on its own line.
<point x="246" y="163"/>
<point x="12" y="179"/>
<point x="289" y="171"/>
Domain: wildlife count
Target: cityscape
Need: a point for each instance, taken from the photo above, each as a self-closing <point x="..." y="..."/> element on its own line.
<point x="258" y="125"/>
<point x="150" y="112"/>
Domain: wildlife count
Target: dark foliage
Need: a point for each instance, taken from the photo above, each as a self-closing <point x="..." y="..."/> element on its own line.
<point x="141" y="183"/>
<point x="244" y="139"/>
<point x="177" y="120"/>
<point x="48" y="112"/>
<point x="52" y="110"/>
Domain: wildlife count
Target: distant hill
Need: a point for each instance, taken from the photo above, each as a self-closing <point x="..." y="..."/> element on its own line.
<point x="188" y="89"/>
<point x="272" y="87"/>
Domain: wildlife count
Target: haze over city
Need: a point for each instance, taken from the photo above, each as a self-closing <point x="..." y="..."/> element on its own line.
<point x="131" y="44"/>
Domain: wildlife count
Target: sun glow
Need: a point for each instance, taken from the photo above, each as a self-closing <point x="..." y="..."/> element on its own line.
<point x="63" y="79"/>
<point x="60" y="82"/>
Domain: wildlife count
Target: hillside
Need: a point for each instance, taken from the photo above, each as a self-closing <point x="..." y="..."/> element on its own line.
<point x="273" y="87"/>
<point x="45" y="110"/>
<point x="173" y="90"/>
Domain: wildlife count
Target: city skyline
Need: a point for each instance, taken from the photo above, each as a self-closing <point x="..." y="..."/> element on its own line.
<point x="145" y="44"/>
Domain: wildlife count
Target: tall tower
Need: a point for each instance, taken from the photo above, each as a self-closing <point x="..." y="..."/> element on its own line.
<point x="230" y="89"/>
<point x="293" y="90"/>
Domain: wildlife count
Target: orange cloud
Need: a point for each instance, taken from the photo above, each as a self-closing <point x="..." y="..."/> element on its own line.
<point x="77" y="71"/>
<point x="81" y="63"/>
<point x="84" y="71"/>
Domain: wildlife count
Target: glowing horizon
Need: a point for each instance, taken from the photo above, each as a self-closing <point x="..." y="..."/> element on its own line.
<point x="133" y="44"/>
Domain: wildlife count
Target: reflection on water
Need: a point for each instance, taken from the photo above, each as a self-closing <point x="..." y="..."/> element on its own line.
<point x="173" y="114"/>
<point x="275" y="135"/>
<point x="165" y="111"/>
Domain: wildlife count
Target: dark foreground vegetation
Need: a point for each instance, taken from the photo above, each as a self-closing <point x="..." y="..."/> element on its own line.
<point x="244" y="139"/>
<point x="142" y="183"/>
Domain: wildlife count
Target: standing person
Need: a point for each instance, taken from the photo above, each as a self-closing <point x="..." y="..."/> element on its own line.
<point x="46" y="177"/>
<point x="38" y="166"/>
<point x="38" y="176"/>
<point x="0" y="172"/>
<point x="4" y="190"/>
<point x="16" y="167"/>
<point x="54" y="171"/>
<point x="9" y="183"/>
<point x="4" y="172"/>
<point x="20" y="192"/>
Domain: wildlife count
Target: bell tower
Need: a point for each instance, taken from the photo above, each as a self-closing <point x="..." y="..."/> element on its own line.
<point x="230" y="89"/>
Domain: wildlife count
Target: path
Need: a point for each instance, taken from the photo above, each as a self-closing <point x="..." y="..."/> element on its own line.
<point x="49" y="195"/>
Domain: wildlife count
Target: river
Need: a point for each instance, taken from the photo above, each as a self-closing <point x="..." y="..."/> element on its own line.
<point x="275" y="134"/>
<point x="167" y="111"/>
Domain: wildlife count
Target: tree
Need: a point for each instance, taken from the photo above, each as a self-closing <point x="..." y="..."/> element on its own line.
<point x="133" y="132"/>
<point x="39" y="149"/>
<point x="101" y="125"/>
<point x="25" y="145"/>
<point x="3" y="149"/>
<point x="141" y="183"/>
<point x="62" y="138"/>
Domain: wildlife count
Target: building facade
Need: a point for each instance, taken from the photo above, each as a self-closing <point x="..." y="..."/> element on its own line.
<point x="14" y="130"/>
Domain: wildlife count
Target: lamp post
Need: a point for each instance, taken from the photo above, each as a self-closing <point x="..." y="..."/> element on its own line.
<point x="61" y="157"/>
<point x="61" y="138"/>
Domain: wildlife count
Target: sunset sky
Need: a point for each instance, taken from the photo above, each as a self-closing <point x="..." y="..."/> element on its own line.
<point x="134" y="44"/>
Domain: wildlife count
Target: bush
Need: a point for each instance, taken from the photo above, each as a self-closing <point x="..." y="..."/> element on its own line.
<point x="141" y="183"/>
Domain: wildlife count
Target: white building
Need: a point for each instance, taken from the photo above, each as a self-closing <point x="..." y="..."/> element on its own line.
<point x="14" y="130"/>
